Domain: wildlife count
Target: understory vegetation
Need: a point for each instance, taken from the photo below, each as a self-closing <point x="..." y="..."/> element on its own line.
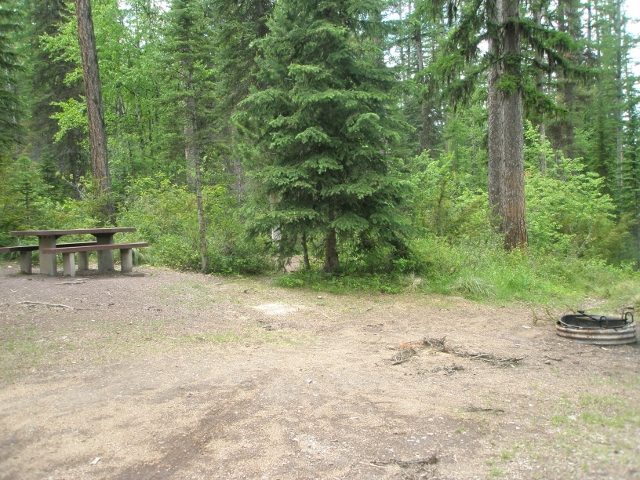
<point x="338" y="145"/>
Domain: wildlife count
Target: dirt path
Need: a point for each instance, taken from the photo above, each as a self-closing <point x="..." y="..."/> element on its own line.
<point x="169" y="375"/>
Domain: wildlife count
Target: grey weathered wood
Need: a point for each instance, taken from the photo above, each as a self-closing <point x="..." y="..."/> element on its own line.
<point x="78" y="231"/>
<point x="47" y="239"/>
<point x="83" y="260"/>
<point x="97" y="247"/>
<point x="68" y="254"/>
<point x="126" y="260"/>
<point x="19" y="248"/>
<point x="105" y="256"/>
<point x="26" y="256"/>
<point x="68" y="264"/>
<point x="48" y="264"/>
<point x="25" y="261"/>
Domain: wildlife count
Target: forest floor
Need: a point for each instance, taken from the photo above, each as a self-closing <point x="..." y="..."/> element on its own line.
<point x="161" y="374"/>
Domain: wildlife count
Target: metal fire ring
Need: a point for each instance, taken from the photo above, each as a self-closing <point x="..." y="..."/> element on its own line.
<point x="599" y="329"/>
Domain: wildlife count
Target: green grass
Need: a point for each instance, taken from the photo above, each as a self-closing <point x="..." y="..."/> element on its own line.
<point x="485" y="272"/>
<point x="495" y="472"/>
<point x="19" y="349"/>
<point x="600" y="427"/>
<point x="344" y="283"/>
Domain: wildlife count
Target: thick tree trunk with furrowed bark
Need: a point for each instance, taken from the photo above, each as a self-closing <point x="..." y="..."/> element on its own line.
<point x="506" y="139"/>
<point x="97" y="131"/>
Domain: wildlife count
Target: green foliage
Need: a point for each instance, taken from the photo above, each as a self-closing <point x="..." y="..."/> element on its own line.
<point x="483" y="270"/>
<point x="324" y="131"/>
<point x="443" y="202"/>
<point x="23" y="200"/>
<point x="343" y="283"/>
<point x="9" y="66"/>
<point x="325" y="123"/>
<point x="165" y="216"/>
<point x="567" y="213"/>
<point x="480" y="269"/>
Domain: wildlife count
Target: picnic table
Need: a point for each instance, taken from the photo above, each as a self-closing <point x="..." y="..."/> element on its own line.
<point x="47" y="239"/>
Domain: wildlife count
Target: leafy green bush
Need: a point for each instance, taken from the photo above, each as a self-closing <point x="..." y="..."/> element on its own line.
<point x="444" y="202"/>
<point x="165" y="215"/>
<point x="567" y="213"/>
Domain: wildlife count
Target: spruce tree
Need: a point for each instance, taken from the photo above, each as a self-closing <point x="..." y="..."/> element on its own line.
<point x="325" y="123"/>
<point x="190" y="76"/>
<point x="517" y="44"/>
<point x="9" y="65"/>
<point x="50" y="83"/>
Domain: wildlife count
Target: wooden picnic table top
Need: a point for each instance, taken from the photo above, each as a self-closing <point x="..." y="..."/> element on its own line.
<point x="58" y="233"/>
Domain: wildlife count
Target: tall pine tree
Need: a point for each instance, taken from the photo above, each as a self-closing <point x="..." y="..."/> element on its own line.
<point x="9" y="65"/>
<point x="325" y="121"/>
<point x="188" y="52"/>
<point x="49" y="84"/>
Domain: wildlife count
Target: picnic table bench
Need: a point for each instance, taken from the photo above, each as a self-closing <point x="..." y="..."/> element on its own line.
<point x="68" y="255"/>
<point x="25" y="254"/>
<point x="49" y="249"/>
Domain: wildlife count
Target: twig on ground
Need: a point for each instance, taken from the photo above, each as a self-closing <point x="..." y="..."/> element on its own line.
<point x="408" y="350"/>
<point x="432" y="460"/>
<point x="481" y="409"/>
<point x="31" y="304"/>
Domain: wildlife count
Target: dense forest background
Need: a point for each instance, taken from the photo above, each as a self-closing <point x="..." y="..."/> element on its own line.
<point x="469" y="145"/>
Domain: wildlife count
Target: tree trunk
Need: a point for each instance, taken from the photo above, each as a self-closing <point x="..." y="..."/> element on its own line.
<point x="542" y="128"/>
<point x="542" y="157"/>
<point x="190" y="128"/>
<point x="194" y="176"/>
<point x="97" y="131"/>
<point x="495" y="127"/>
<point x="506" y="138"/>
<point x="513" y="197"/>
<point x="305" y="252"/>
<point x="202" y="226"/>
<point x="331" y="261"/>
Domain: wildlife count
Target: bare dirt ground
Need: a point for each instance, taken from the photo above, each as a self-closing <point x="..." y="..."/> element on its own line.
<point x="162" y="374"/>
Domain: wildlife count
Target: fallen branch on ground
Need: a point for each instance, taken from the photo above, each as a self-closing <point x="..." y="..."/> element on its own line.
<point x="31" y="304"/>
<point x="482" y="409"/>
<point x="432" y="460"/>
<point x="440" y="345"/>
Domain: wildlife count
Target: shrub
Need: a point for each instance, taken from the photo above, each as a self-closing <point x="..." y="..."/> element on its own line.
<point x="165" y="215"/>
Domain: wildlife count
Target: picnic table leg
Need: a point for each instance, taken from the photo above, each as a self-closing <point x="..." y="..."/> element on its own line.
<point x="126" y="260"/>
<point x="25" y="262"/>
<point x="83" y="260"/>
<point x="105" y="257"/>
<point x="68" y="265"/>
<point x="48" y="264"/>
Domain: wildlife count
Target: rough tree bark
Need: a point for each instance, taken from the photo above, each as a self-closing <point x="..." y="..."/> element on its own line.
<point x="495" y="129"/>
<point x="513" y="197"/>
<point x="331" y="260"/>
<point x="506" y="139"/>
<point x="97" y="131"/>
<point x="305" y="252"/>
